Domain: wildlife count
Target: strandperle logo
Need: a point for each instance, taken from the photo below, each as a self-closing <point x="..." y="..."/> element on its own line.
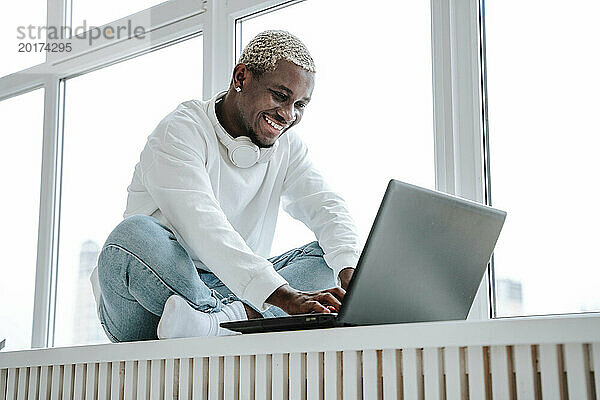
<point x="91" y="33"/>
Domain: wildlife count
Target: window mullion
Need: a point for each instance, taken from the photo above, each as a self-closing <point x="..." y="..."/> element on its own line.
<point x="218" y="48"/>
<point x="47" y="220"/>
<point x="56" y="18"/>
<point x="467" y="104"/>
<point x="458" y="114"/>
<point x="219" y="38"/>
<point x="442" y="96"/>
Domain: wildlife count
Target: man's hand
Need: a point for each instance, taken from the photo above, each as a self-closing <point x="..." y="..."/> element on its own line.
<point x="345" y="276"/>
<point x="293" y="301"/>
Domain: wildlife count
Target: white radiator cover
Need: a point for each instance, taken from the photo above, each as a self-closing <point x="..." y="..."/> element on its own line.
<point x="541" y="358"/>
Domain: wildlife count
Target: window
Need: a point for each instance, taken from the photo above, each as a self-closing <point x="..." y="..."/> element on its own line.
<point x="15" y="19"/>
<point x="20" y="163"/>
<point x="381" y="74"/>
<point x="95" y="13"/>
<point x="543" y="105"/>
<point x="108" y="115"/>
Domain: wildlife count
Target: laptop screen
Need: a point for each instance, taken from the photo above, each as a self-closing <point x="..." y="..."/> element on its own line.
<point x="423" y="260"/>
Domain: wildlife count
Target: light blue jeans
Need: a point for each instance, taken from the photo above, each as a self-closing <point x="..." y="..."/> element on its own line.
<point x="142" y="264"/>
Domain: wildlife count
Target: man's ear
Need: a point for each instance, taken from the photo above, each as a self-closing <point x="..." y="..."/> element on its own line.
<point x="241" y="75"/>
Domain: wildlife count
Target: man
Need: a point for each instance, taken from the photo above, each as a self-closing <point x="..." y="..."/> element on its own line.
<point x="202" y="208"/>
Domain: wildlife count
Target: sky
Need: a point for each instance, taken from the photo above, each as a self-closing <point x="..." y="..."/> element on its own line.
<point x="370" y="120"/>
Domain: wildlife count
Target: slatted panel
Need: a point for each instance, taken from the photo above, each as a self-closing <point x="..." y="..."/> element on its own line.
<point x="185" y="379"/>
<point x="433" y="374"/>
<point x="411" y="372"/>
<point x="370" y="378"/>
<point x="79" y="382"/>
<point x="170" y="391"/>
<point x="455" y="379"/>
<point x="567" y="371"/>
<point x="104" y="381"/>
<point x="595" y="347"/>
<point x="550" y="373"/>
<point x="143" y="380"/>
<point x="280" y="368"/>
<point x="23" y="387"/>
<point x="3" y="381"/>
<point x="577" y="367"/>
<point x="56" y="382"/>
<point x="391" y="368"/>
<point x="215" y="378"/>
<point x="44" y="382"/>
<point x="262" y="384"/>
<point x="314" y="376"/>
<point x="130" y="383"/>
<point x="231" y="369"/>
<point x="351" y="375"/>
<point x="263" y="377"/>
<point x="246" y="377"/>
<point x="477" y="371"/>
<point x="91" y="381"/>
<point x="116" y="382"/>
<point x="332" y="373"/>
<point x="67" y="387"/>
<point x="297" y="376"/>
<point x="34" y="383"/>
<point x="200" y="378"/>
<point x="499" y="367"/>
<point x="156" y="379"/>
<point x="22" y="383"/>
<point x="11" y="386"/>
<point x="525" y="372"/>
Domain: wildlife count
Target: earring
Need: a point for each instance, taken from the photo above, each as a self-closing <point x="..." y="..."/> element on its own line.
<point x="238" y="89"/>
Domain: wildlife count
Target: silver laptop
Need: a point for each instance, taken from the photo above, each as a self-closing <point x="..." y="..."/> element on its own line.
<point x="423" y="261"/>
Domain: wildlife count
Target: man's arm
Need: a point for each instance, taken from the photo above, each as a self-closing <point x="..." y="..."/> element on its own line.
<point x="345" y="275"/>
<point x="174" y="173"/>
<point x="307" y="197"/>
<point x="296" y="302"/>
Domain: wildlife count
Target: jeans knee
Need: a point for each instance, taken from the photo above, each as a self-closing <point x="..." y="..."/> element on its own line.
<point x="313" y="249"/>
<point x="322" y="268"/>
<point x="320" y="275"/>
<point x="131" y="227"/>
<point x="139" y="233"/>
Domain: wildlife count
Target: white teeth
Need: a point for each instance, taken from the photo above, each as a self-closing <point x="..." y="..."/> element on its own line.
<point x="273" y="124"/>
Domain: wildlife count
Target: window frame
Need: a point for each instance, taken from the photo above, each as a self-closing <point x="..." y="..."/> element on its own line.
<point x="457" y="81"/>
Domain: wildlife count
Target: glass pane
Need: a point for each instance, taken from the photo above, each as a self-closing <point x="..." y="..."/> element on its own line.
<point x="88" y="13"/>
<point x="22" y="25"/>
<point x="543" y="105"/>
<point x="22" y="120"/>
<point x="108" y="115"/>
<point x="370" y="117"/>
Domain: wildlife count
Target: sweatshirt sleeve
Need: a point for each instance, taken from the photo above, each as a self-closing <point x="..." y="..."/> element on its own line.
<point x="307" y="197"/>
<point x="175" y="175"/>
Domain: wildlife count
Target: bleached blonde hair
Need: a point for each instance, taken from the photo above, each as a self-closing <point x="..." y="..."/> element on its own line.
<point x="268" y="47"/>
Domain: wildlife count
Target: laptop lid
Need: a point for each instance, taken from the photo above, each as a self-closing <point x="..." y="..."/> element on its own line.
<point x="423" y="260"/>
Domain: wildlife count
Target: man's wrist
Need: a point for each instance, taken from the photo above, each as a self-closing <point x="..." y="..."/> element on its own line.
<point x="281" y="295"/>
<point x="344" y="276"/>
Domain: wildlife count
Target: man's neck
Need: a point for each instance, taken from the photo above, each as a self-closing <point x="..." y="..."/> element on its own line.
<point x="223" y="110"/>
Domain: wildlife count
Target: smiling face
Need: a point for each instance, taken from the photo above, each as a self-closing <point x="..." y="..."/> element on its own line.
<point x="269" y="105"/>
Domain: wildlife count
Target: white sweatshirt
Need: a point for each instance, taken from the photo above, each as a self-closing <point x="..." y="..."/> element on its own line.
<point x="225" y="216"/>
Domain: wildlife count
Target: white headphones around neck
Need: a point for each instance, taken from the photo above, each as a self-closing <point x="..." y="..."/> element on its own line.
<point x="241" y="151"/>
